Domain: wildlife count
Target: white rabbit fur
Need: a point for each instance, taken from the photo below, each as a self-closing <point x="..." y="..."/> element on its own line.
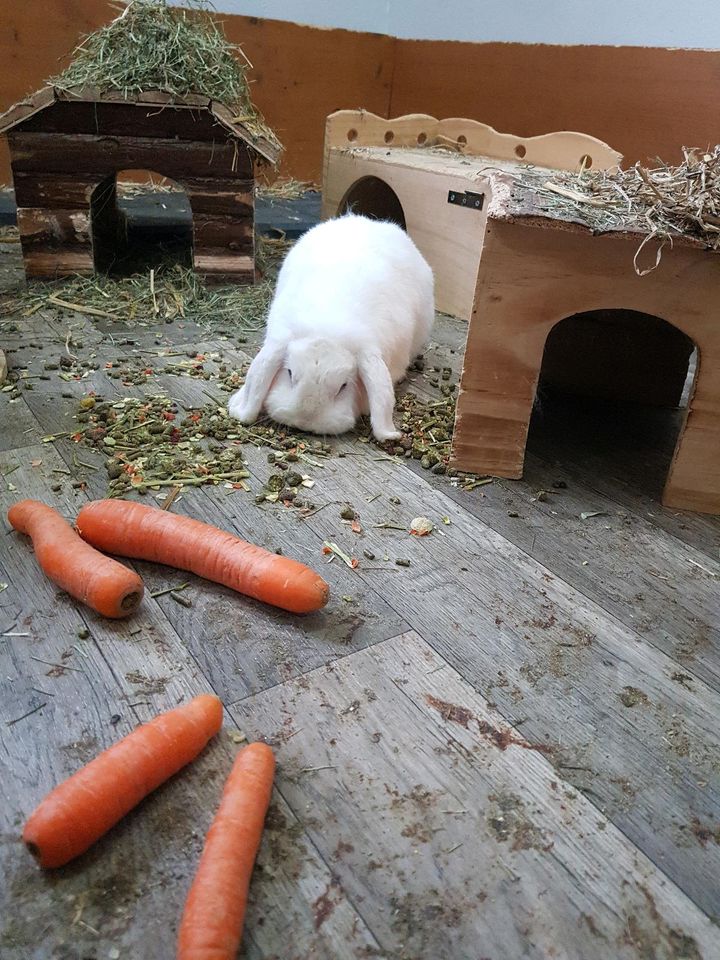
<point x="353" y="306"/>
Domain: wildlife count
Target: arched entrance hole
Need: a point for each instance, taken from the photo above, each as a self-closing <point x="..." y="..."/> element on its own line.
<point x="612" y="396"/>
<point x="373" y="198"/>
<point x="140" y="223"/>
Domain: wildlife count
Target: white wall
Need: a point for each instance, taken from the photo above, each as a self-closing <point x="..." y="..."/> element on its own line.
<point x="652" y="23"/>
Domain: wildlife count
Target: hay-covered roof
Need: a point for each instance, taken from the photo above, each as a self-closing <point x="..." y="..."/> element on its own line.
<point x="662" y="202"/>
<point x="161" y="54"/>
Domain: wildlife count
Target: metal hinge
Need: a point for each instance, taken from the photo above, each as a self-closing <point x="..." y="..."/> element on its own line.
<point x="472" y="200"/>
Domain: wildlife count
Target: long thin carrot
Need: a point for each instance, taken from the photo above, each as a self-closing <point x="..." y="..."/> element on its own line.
<point x="84" y="807"/>
<point x="103" y="584"/>
<point x="212" y="922"/>
<point x="131" y="529"/>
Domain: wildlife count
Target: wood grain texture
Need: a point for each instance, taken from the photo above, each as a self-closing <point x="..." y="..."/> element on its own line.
<point x="244" y="645"/>
<point x="46" y="229"/>
<point x="86" y="154"/>
<point x="95" y="690"/>
<point x="482" y="839"/>
<point x="51" y="190"/>
<point x="530" y="279"/>
<point x="594" y="643"/>
<point x="533" y="645"/>
<point x="561" y="150"/>
<point x="124" y="119"/>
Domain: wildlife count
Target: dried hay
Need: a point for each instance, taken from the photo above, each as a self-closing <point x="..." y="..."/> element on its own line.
<point x="285" y="188"/>
<point x="663" y="202"/>
<point x="165" y="295"/>
<point x="152" y="46"/>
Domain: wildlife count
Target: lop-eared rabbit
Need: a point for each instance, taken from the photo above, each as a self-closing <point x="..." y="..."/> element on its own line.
<point x="353" y="307"/>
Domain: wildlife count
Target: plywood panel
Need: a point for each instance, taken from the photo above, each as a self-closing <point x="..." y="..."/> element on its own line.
<point x="643" y="101"/>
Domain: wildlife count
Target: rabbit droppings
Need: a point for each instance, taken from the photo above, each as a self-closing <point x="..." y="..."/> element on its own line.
<point x="353" y="306"/>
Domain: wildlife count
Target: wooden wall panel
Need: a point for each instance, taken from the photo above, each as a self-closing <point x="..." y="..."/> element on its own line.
<point x="302" y="74"/>
<point x="642" y="101"/>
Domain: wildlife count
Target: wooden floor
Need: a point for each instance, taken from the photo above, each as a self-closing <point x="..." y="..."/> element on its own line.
<point x="507" y="749"/>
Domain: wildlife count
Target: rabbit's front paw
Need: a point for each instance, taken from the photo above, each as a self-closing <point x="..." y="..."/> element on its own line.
<point x="240" y="409"/>
<point x="387" y="434"/>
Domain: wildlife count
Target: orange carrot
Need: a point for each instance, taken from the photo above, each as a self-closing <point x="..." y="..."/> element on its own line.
<point x="84" y="807"/>
<point x="212" y="922"/>
<point x="103" y="584"/>
<point x="131" y="529"/>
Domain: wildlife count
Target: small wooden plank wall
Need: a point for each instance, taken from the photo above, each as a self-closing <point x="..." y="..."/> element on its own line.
<point x="62" y="154"/>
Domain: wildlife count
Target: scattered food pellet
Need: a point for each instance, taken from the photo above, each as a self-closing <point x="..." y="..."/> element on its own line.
<point x="421" y="526"/>
<point x="237" y="736"/>
<point x="83" y="633"/>
<point x="513" y="513"/>
<point x="402" y="563"/>
<point x="368" y="554"/>
<point x="395" y="500"/>
<point x="348" y="512"/>
<point x="183" y="601"/>
<point x="559" y="484"/>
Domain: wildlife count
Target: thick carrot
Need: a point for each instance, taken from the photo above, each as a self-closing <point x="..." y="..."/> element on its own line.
<point x="103" y="584"/>
<point x="131" y="529"/>
<point x="84" y="807"/>
<point x="212" y="922"/>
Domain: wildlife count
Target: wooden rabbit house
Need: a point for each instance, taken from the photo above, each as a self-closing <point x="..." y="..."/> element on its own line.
<point x="67" y="147"/>
<point x="515" y="267"/>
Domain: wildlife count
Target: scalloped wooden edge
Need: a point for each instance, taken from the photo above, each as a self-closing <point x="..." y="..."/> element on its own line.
<point x="563" y="150"/>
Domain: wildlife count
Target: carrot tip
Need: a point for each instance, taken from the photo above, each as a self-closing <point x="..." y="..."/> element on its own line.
<point x="131" y="601"/>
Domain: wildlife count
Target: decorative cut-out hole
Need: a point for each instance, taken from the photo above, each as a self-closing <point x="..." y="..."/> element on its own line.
<point x="462" y="140"/>
<point x="389" y="136"/>
<point x="421" y="138"/>
<point x="586" y="161"/>
<point x="352" y="135"/>
<point x="520" y="151"/>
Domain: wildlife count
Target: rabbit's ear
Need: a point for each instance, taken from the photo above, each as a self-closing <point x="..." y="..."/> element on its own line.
<point x="259" y="377"/>
<point x="378" y="385"/>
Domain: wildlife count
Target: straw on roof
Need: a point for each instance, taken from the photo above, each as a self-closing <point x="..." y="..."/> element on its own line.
<point x="152" y="46"/>
<point x="662" y="202"/>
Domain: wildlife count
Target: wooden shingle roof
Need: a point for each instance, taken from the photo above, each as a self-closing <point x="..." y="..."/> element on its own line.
<point x="48" y="95"/>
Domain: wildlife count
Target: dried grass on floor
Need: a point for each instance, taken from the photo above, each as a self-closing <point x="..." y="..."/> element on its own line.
<point x="285" y="189"/>
<point x="160" y="296"/>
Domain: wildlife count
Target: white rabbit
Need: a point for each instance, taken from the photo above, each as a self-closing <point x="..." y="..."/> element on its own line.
<point x="353" y="306"/>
